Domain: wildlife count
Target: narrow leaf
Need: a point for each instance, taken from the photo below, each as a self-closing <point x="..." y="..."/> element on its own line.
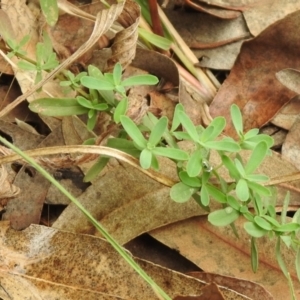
<point x="262" y="223"/>
<point x="120" y="110"/>
<point x="96" y="84"/>
<point x="57" y="107"/>
<point x="204" y="196"/>
<point x="171" y="153"/>
<point x="156" y="40"/>
<point x="218" y="125"/>
<point x="194" y="165"/>
<point x="133" y="131"/>
<point x="117" y="73"/>
<point x="237" y="119"/>
<point x="242" y="190"/>
<point x="256" y="158"/>
<point x="176" y="120"/>
<point x="158" y="131"/>
<point x="188" y="125"/>
<point x="140" y="80"/>
<point x="223" y="145"/>
<point x="254" y="255"/>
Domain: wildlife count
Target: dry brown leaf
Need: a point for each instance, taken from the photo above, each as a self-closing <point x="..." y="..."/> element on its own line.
<point x="213" y="10"/>
<point x="217" y="250"/>
<point x="245" y="287"/>
<point x="61" y="265"/>
<point x="210" y="31"/>
<point x="288" y="114"/>
<point x="124" y="45"/>
<point x="210" y="292"/>
<point x="262" y="14"/>
<point x="26" y="208"/>
<point x="252" y="84"/>
<point x="8" y="190"/>
<point x="290" y="147"/>
<point x="290" y="78"/>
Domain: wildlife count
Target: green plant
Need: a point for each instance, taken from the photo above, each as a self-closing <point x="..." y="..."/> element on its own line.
<point x="199" y="177"/>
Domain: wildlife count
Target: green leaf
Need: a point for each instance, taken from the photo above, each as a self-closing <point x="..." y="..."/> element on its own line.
<point x="218" y="124"/>
<point x="280" y="259"/>
<point x="297" y="263"/>
<point x="180" y="135"/>
<point x="261" y="138"/>
<point x="84" y="102"/>
<point x="100" y="106"/>
<point x="242" y="190"/>
<point x="154" y="163"/>
<point x="117" y="73"/>
<point x="254" y="255"/>
<point x="260" y="189"/>
<point x="194" y="164"/>
<point x="120" y="110"/>
<point x="223" y="217"/>
<point x="254" y="230"/>
<point x="286" y="202"/>
<point x="216" y="193"/>
<point x="287" y="239"/>
<point x="96" y="169"/>
<point x="92" y="119"/>
<point x="247" y="215"/>
<point x="146" y="159"/>
<point x="288" y="227"/>
<point x="189" y="126"/>
<point x="171" y="153"/>
<point x="176" y="121"/>
<point x="57" y="107"/>
<point x="251" y="133"/>
<point x="158" y="131"/>
<point x="140" y="80"/>
<point x="271" y="220"/>
<point x="154" y="39"/>
<point x="233" y="202"/>
<point x="258" y="155"/>
<point x="181" y="193"/>
<point x="262" y="223"/>
<point x="133" y="131"/>
<point x="189" y="181"/>
<point x="96" y="84"/>
<point x="257" y="177"/>
<point x="50" y="11"/>
<point x="223" y="145"/>
<point x="240" y="167"/>
<point x="296" y="217"/>
<point x="124" y="145"/>
<point x="27" y="66"/>
<point x="206" y="133"/>
<point x="228" y="163"/>
<point x="237" y="119"/>
<point x="204" y="196"/>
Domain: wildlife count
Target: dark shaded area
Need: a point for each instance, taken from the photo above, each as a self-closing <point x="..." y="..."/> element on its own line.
<point x="148" y="248"/>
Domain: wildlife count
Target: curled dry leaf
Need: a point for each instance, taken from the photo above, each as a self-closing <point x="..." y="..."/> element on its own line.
<point x="124" y="46"/>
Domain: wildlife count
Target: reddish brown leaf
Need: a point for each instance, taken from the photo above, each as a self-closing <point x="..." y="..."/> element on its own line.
<point x="252" y="83"/>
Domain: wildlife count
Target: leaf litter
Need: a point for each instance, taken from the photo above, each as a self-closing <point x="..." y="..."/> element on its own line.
<point x="137" y="204"/>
